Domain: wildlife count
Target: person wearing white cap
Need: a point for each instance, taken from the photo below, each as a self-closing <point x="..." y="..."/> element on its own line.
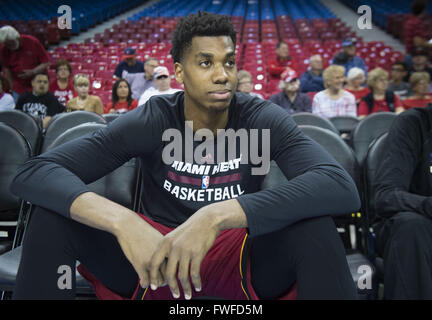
<point x="290" y="98"/>
<point x="162" y="80"/>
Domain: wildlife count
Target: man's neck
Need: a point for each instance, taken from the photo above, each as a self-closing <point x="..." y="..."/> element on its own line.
<point x="396" y="82"/>
<point x="291" y="95"/>
<point x="316" y="72"/>
<point x="202" y="119"/>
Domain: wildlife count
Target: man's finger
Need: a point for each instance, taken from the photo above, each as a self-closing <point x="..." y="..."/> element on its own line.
<point x="171" y="275"/>
<point x="183" y="275"/>
<point x="195" y="274"/>
<point x="157" y="259"/>
<point x="144" y="278"/>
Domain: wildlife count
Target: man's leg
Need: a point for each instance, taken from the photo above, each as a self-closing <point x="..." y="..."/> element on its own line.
<point x="406" y="244"/>
<point x="52" y="241"/>
<point x="309" y="252"/>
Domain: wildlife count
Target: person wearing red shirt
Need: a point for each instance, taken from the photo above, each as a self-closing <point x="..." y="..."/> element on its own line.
<point x="380" y="99"/>
<point x="281" y="63"/>
<point x="22" y="57"/>
<point x="121" y="98"/>
<point x="421" y="97"/>
<point x="356" y="77"/>
<point x="62" y="87"/>
<point x="414" y="28"/>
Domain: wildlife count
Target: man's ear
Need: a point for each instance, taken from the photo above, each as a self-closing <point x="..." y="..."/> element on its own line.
<point x="178" y="72"/>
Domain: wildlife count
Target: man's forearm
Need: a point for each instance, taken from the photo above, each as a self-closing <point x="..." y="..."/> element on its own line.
<point x="226" y="214"/>
<point x="41" y="67"/>
<point x="8" y="76"/>
<point x="98" y="212"/>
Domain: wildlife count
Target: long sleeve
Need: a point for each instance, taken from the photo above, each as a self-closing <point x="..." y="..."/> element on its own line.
<point x="395" y="174"/>
<point x="317" y="185"/>
<point x="54" y="179"/>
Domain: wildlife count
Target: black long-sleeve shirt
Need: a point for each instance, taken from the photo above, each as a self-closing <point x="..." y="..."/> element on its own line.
<point x="317" y="184"/>
<point x="404" y="177"/>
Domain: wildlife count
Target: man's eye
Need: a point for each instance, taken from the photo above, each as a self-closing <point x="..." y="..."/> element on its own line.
<point x="231" y="63"/>
<point x="205" y="63"/>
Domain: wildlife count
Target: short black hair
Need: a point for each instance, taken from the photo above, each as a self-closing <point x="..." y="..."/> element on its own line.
<point x="202" y="24"/>
<point x="403" y="64"/>
<point x="44" y="73"/>
<point x="418" y="7"/>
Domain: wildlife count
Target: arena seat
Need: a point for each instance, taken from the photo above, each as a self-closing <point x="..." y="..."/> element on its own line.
<point x="368" y="129"/>
<point x="25" y="124"/>
<point x="121" y="186"/>
<point x="306" y="118"/>
<point x="15" y="151"/>
<point x="345" y="156"/>
<point x="64" y="121"/>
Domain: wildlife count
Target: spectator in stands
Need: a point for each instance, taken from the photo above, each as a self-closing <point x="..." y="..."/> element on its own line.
<point x="290" y="98"/>
<point x="141" y="81"/>
<point x="347" y="57"/>
<point x="356" y="79"/>
<point x="380" y="99"/>
<point x="62" y="87"/>
<point x="421" y="97"/>
<point x="84" y="101"/>
<point x="162" y="81"/>
<point x="245" y="83"/>
<point x="311" y="80"/>
<point x="40" y="103"/>
<point x="420" y="62"/>
<point x="397" y="84"/>
<point x="129" y="63"/>
<point x="6" y="100"/>
<point x="282" y="61"/>
<point x="334" y="100"/>
<point x="403" y="204"/>
<point x="22" y="57"/>
<point x="121" y="100"/>
<point x="414" y="28"/>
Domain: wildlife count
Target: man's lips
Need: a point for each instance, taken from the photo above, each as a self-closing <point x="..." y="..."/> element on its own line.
<point x="220" y="94"/>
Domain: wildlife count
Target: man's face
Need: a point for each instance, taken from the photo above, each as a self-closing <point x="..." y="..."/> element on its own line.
<point x="292" y="86"/>
<point x="283" y="51"/>
<point x="131" y="61"/>
<point x="12" y="44"/>
<point x="350" y="50"/>
<point x="419" y="60"/>
<point x="149" y="67"/>
<point x="245" y="85"/>
<point x="162" y="83"/>
<point x="208" y="72"/>
<point x="398" y="72"/>
<point x="40" y="84"/>
<point x="63" y="72"/>
<point x="316" y="63"/>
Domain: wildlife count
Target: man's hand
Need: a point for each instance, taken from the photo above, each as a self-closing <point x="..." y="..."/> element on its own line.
<point x="187" y="245"/>
<point x="139" y="243"/>
<point x="28" y="73"/>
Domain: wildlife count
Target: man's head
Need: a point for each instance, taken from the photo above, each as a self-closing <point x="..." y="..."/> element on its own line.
<point x="399" y="70"/>
<point x="129" y="55"/>
<point x="63" y="69"/>
<point x="244" y="81"/>
<point x="282" y="50"/>
<point x="204" y="58"/>
<point x="349" y="46"/>
<point x="149" y="66"/>
<point x="419" y="57"/>
<point x="316" y="62"/>
<point x="290" y="82"/>
<point x="161" y="78"/>
<point x="40" y="83"/>
<point x="10" y="37"/>
<point x="418" y="7"/>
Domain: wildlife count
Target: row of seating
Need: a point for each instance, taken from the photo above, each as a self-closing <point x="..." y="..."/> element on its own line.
<point x="325" y="132"/>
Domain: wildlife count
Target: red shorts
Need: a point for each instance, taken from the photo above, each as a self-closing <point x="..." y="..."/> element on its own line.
<point x="225" y="272"/>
